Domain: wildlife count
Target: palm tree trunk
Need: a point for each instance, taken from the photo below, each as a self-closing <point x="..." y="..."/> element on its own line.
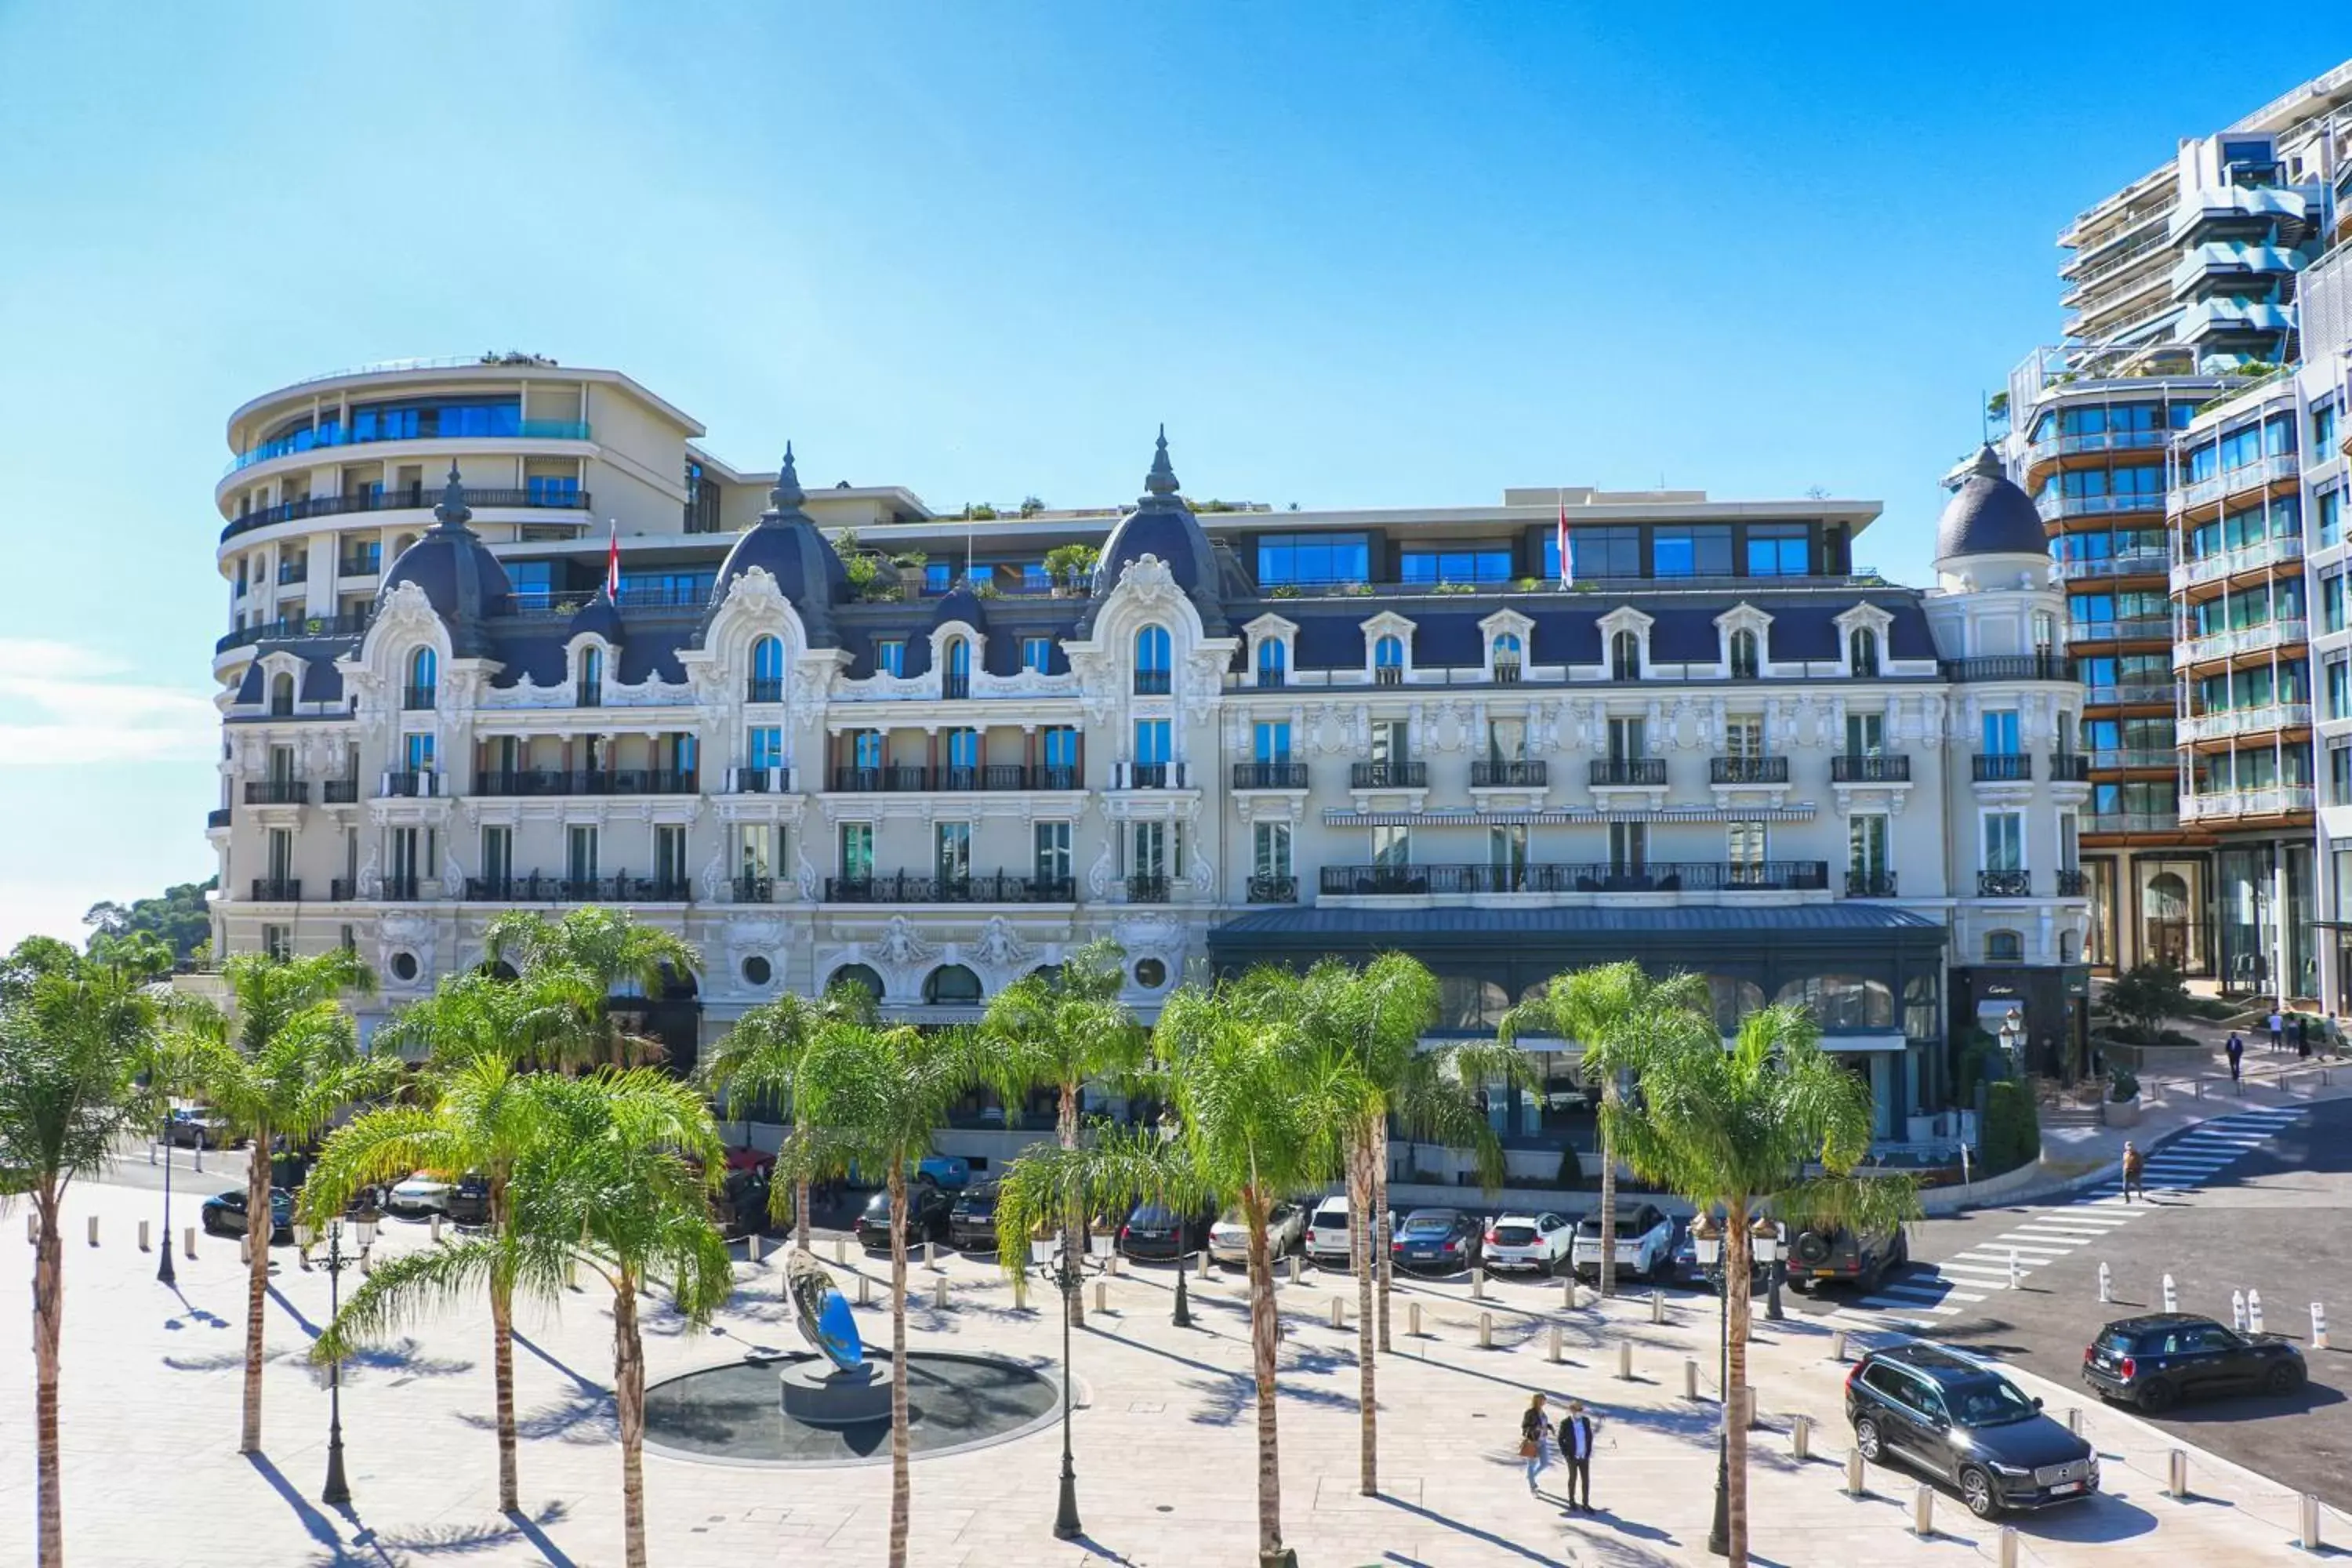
<point x="800" y="1214"/>
<point x="1264" y="1326"/>
<point x="1066" y="1127"/>
<point x="48" y="1319"/>
<point x="629" y="1396"/>
<point x="1608" y="1196"/>
<point x="1359" y="1201"/>
<point x="502" y="1355"/>
<point x="1736" y="1267"/>
<point x="900" y="1498"/>
<point x="1380" y="1251"/>
<point x="257" y="1228"/>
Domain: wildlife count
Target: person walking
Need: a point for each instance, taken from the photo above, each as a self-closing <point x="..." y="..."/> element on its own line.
<point x="2278" y="1031"/>
<point x="2236" y="1051"/>
<point x="1533" y="1436"/>
<point x="2134" y="1162"/>
<point x="2302" y="1037"/>
<point x="1575" y="1451"/>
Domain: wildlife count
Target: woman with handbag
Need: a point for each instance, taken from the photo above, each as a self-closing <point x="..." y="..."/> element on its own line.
<point x="1534" y="1438"/>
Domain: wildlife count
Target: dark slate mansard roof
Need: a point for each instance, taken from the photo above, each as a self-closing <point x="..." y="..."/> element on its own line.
<point x="456" y="573"/>
<point x="1988" y="515"/>
<point x="788" y="544"/>
<point x="1161" y="525"/>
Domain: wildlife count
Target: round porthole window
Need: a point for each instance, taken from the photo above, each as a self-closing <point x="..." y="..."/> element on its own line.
<point x="758" y="970"/>
<point x="404" y="966"/>
<point x="1150" y="973"/>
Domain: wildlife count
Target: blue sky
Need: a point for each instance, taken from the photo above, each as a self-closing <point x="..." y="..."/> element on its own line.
<point x="1351" y="255"/>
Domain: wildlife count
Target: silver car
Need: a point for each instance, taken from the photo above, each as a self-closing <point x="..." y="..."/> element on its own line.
<point x="1285" y="1229"/>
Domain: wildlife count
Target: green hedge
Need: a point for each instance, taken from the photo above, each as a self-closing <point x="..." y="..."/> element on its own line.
<point x="2012" y="1128"/>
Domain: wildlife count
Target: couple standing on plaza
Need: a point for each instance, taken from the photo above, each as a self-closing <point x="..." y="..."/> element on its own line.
<point x="1573" y="1436"/>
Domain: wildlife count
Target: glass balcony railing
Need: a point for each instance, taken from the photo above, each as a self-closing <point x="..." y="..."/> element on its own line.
<point x="505" y="425"/>
<point x="2258" y="638"/>
<point x="409" y="497"/>
<point x="2136" y="564"/>
<point x="2229" y="722"/>
<point x="2266" y="800"/>
<point x="2230" y="563"/>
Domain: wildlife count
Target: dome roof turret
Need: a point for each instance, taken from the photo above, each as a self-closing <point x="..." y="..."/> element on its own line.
<point x="1990" y="515"/>
<point x="787" y="546"/>
<point x="1161" y="525"/>
<point x="455" y="571"/>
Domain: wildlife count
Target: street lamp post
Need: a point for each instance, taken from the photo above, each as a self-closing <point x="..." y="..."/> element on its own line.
<point x="2013" y="1040"/>
<point x="163" y="1269"/>
<point x="1706" y="1240"/>
<point x="337" y="1490"/>
<point x="1767" y="1235"/>
<point x="1069" y="1275"/>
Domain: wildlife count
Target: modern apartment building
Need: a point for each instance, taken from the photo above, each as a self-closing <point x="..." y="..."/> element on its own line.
<point x="825" y="734"/>
<point x="2183" y="287"/>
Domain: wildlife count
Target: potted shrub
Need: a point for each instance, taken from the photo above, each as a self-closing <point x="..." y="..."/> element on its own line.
<point x="1070" y="567"/>
<point x="2121" y="1108"/>
<point x="911" y="565"/>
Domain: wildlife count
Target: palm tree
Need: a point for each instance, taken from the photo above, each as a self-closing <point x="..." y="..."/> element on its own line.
<point x="283" y="1058"/>
<point x="71" y="1040"/>
<point x="1608" y="1003"/>
<point x="481" y="1032"/>
<point x="614" y="951"/>
<point x="872" y="1094"/>
<point x="1063" y="1030"/>
<point x="617" y="1182"/>
<point x="1727" y="1129"/>
<point x="760" y="1060"/>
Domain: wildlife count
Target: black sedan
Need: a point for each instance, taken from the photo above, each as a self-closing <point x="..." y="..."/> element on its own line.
<point x="224" y="1214"/>
<point x="927" y="1217"/>
<point x="2154" y="1361"/>
<point x="1960" y="1421"/>
<point x="469" y="1199"/>
<point x="972" y="1219"/>
<point x="1443" y="1239"/>
<point x="1153" y="1231"/>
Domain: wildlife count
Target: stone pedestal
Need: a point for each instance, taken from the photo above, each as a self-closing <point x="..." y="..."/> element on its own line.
<point x="817" y="1394"/>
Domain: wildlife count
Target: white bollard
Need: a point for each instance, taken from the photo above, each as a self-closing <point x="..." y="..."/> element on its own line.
<point x="2307" y="1522"/>
<point x="142" y="1236"/>
<point x="1657" y="1306"/>
<point x="32" y="1227"/>
<point x="2254" y="1306"/>
<point x="150" y="1150"/>
<point x="1568" y="1292"/>
<point x="2238" y="1311"/>
<point x="1923" y="1511"/>
<point x="2171" y="1297"/>
<point x="245" y="1249"/>
<point x="437" y="1230"/>
<point x="1837" y="1346"/>
<point x="1553" y="1349"/>
<point x="1021" y="1291"/>
<point x="1202" y="1271"/>
<point x="1854" y="1485"/>
<point x="751" y="1247"/>
<point x="200" y="1158"/>
<point x="932" y="1256"/>
<point x="2074" y="1420"/>
<point x="1412" y="1319"/>
<point x="93" y="1230"/>
<point x="840" y="1250"/>
<point x="1338" y="1311"/>
<point x="1800" y="1438"/>
<point x="2106" y="1285"/>
<point x="1477" y="1284"/>
<point x="1102" y="1297"/>
<point x="2009" y="1546"/>
<point x="188" y="1242"/>
<point x="864" y="1291"/>
<point x="1485" y="1331"/>
<point x="1624" y="1361"/>
<point x="939" y="1293"/>
<point x="1110" y="1263"/>
<point x="2012" y="1269"/>
<point x="1690" y="1377"/>
<point x="2176" y="1471"/>
<point x="1294" y="1268"/>
<point x="2318" y="1326"/>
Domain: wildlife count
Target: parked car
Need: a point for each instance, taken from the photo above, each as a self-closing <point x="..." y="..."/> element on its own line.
<point x="469" y="1199"/>
<point x="2155" y="1361"/>
<point x="740" y="1206"/>
<point x="1960" y="1421"/>
<point x="1645" y="1243"/>
<point x="1152" y="1230"/>
<point x="195" y="1127"/>
<point x="1327" y="1232"/>
<point x="1538" y="1242"/>
<point x="1438" y="1239"/>
<point x="971" y="1218"/>
<point x="1285" y="1232"/>
<point x="421" y="1194"/>
<point x="950" y="1171"/>
<point x="1841" y="1255"/>
<point x="224" y="1214"/>
<point x="1685" y="1269"/>
<point x="927" y="1217"/>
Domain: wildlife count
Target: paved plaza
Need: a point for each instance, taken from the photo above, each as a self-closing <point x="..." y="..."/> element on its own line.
<point x="1165" y="1436"/>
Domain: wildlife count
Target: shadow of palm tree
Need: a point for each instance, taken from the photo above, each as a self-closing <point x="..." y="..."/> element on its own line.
<point x="379" y="1547"/>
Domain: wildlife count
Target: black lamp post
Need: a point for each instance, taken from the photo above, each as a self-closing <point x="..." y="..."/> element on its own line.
<point x="1706" y="1240"/>
<point x="163" y="1269"/>
<point x="1068" y="1274"/>
<point x="337" y="1490"/>
<point x="1768" y="1252"/>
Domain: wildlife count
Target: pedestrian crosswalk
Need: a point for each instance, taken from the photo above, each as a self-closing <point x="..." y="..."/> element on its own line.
<point x="1928" y="1293"/>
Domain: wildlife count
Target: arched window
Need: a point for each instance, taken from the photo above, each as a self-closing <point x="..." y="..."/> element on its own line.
<point x="859" y="975"/>
<point x="951" y="985"/>
<point x="767" y="670"/>
<point x="590" y="692"/>
<point x="281" y="695"/>
<point x="1388" y="660"/>
<point x="1734" y="999"/>
<point x="2004" y="947"/>
<point x="1151" y="679"/>
<point x="424" y="675"/>
<point x="1507" y="649"/>
<point x="1625" y="656"/>
<point x="1745" y="662"/>
<point x="1861" y="650"/>
<point x="958" y="680"/>
<point x="1843" y="1001"/>
<point x="1465" y="1001"/>
<point x="1273" y="662"/>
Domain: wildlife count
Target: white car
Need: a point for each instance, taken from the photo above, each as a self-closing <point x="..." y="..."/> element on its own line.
<point x="1285" y="1228"/>
<point x="1327" y="1232"/>
<point x="1538" y="1242"/>
<point x="421" y="1194"/>
<point x="1645" y="1243"/>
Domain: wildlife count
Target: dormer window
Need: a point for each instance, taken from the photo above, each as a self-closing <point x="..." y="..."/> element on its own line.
<point x="1273" y="662"/>
<point x="1508" y="650"/>
<point x="589" y="690"/>
<point x="281" y="695"/>
<point x="424" y="672"/>
<point x="1388" y="661"/>
<point x="767" y="670"/>
<point x="956" y="680"/>
<point x="1625" y="656"/>
<point x="1151" y="662"/>
<point x="1862" y="651"/>
<point x="1747" y="661"/>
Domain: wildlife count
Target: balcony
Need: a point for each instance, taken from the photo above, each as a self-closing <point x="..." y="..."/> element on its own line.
<point x="399" y="889"/>
<point x="2229" y="722"/>
<point x="1151" y="775"/>
<point x="1388" y="775"/>
<point x="955" y="687"/>
<point x="586" y="781"/>
<point x="292" y="626"/>
<point x="900" y="887"/>
<point x="2100" y="441"/>
<point x="278" y="792"/>
<point x="2254" y="557"/>
<point x="764" y="688"/>
<point x="1146" y="887"/>
<point x="342" y="890"/>
<point x="2004" y="884"/>
<point x="2054" y="507"/>
<point x="1496" y="773"/>
<point x="2269" y="800"/>
<point x="1870" y="884"/>
<point x="1265" y="888"/>
<point x="1152" y="683"/>
<point x="1269" y="776"/>
<point x="277" y="890"/>
<point x="2260" y="638"/>
<point x="290" y="573"/>
<point x="418" y="784"/>
<point x="2069" y="767"/>
<point x="2002" y="767"/>
<point x="2073" y="884"/>
<point x="1614" y="771"/>
<point x="2045" y="666"/>
<point x="2123" y="692"/>
<point x="2131" y="822"/>
<point x="752" y="889"/>
<point x="540" y="889"/>
<point x="2139" y="563"/>
<point x="2235" y="481"/>
<point x="1748" y="770"/>
<point x="218" y="816"/>
<point x="415" y="498"/>
<point x="366" y="565"/>
<point x="417" y="699"/>
<point x="340" y="791"/>
<point x="2131" y="628"/>
<point x="1653" y="876"/>
<point x="499" y="428"/>
<point x="769" y="780"/>
<point x="2118" y="759"/>
<point x="1869" y="770"/>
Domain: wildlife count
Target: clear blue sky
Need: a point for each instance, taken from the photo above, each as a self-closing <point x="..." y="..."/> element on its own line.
<point x="1351" y="254"/>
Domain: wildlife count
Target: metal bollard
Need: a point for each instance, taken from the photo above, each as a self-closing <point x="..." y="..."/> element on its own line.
<point x="1338" y="1311"/>
<point x="1485" y="1331"/>
<point x="2012" y="1269"/>
<point x="2009" y="1546"/>
<point x="939" y="1293"/>
<point x="2238" y="1311"/>
<point x="1477" y="1284"/>
<point x="1837" y="1346"/>
<point x="1800" y="1439"/>
<point x="2106" y="1285"/>
<point x="142" y="1236"/>
<point x="1553" y="1349"/>
<point x="1110" y="1263"/>
<point x="1294" y="1268"/>
<point x="2318" y="1326"/>
<point x="2176" y="1471"/>
<point x="436" y="1229"/>
<point x="200" y="1159"/>
<point x="1102" y="1297"/>
<point x="2074" y="1420"/>
<point x="1690" y="1378"/>
<point x="2171" y="1297"/>
<point x="1923" y="1511"/>
<point x="2307" y="1522"/>
<point x="2254" y="1306"/>
<point x="1624" y="1361"/>
<point x="840" y="1250"/>
<point x="188" y="1242"/>
<point x="245" y="1249"/>
<point x="1568" y="1292"/>
<point x="864" y="1291"/>
<point x="93" y="1230"/>
<point x="1657" y="1306"/>
<point x="1854" y="1477"/>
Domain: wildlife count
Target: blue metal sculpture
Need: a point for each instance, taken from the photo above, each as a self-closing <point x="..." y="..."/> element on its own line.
<point x="822" y="1312"/>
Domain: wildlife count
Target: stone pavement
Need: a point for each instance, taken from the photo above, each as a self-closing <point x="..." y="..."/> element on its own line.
<point x="1165" y="1436"/>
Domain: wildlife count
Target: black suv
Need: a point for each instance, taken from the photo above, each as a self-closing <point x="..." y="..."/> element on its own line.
<point x="1964" y="1423"/>
<point x="927" y="1217"/>
<point x="2157" y="1359"/>
<point x="1839" y="1255"/>
<point x="972" y="1219"/>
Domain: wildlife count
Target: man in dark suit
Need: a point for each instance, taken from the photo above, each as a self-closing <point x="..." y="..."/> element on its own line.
<point x="1576" y="1433"/>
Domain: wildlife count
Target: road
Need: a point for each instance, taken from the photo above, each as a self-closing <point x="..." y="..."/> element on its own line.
<point x="2258" y="1201"/>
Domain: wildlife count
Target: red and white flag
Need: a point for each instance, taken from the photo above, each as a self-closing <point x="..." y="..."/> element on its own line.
<point x="1567" y="568"/>
<point x="613" y="564"/>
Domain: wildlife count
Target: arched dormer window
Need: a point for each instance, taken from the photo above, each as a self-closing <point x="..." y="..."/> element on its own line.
<point x="589" y="690"/>
<point x="1625" y="656"/>
<point x="281" y="695"/>
<point x="1388" y="660"/>
<point x="1152" y="670"/>
<point x="1747" y="661"/>
<point x="424" y="677"/>
<point x="1508" y="650"/>
<point x="767" y="670"/>
<point x="956" y="679"/>
<point x="1862" y="651"/>
<point x="1273" y="662"/>
<point x="2004" y="947"/>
